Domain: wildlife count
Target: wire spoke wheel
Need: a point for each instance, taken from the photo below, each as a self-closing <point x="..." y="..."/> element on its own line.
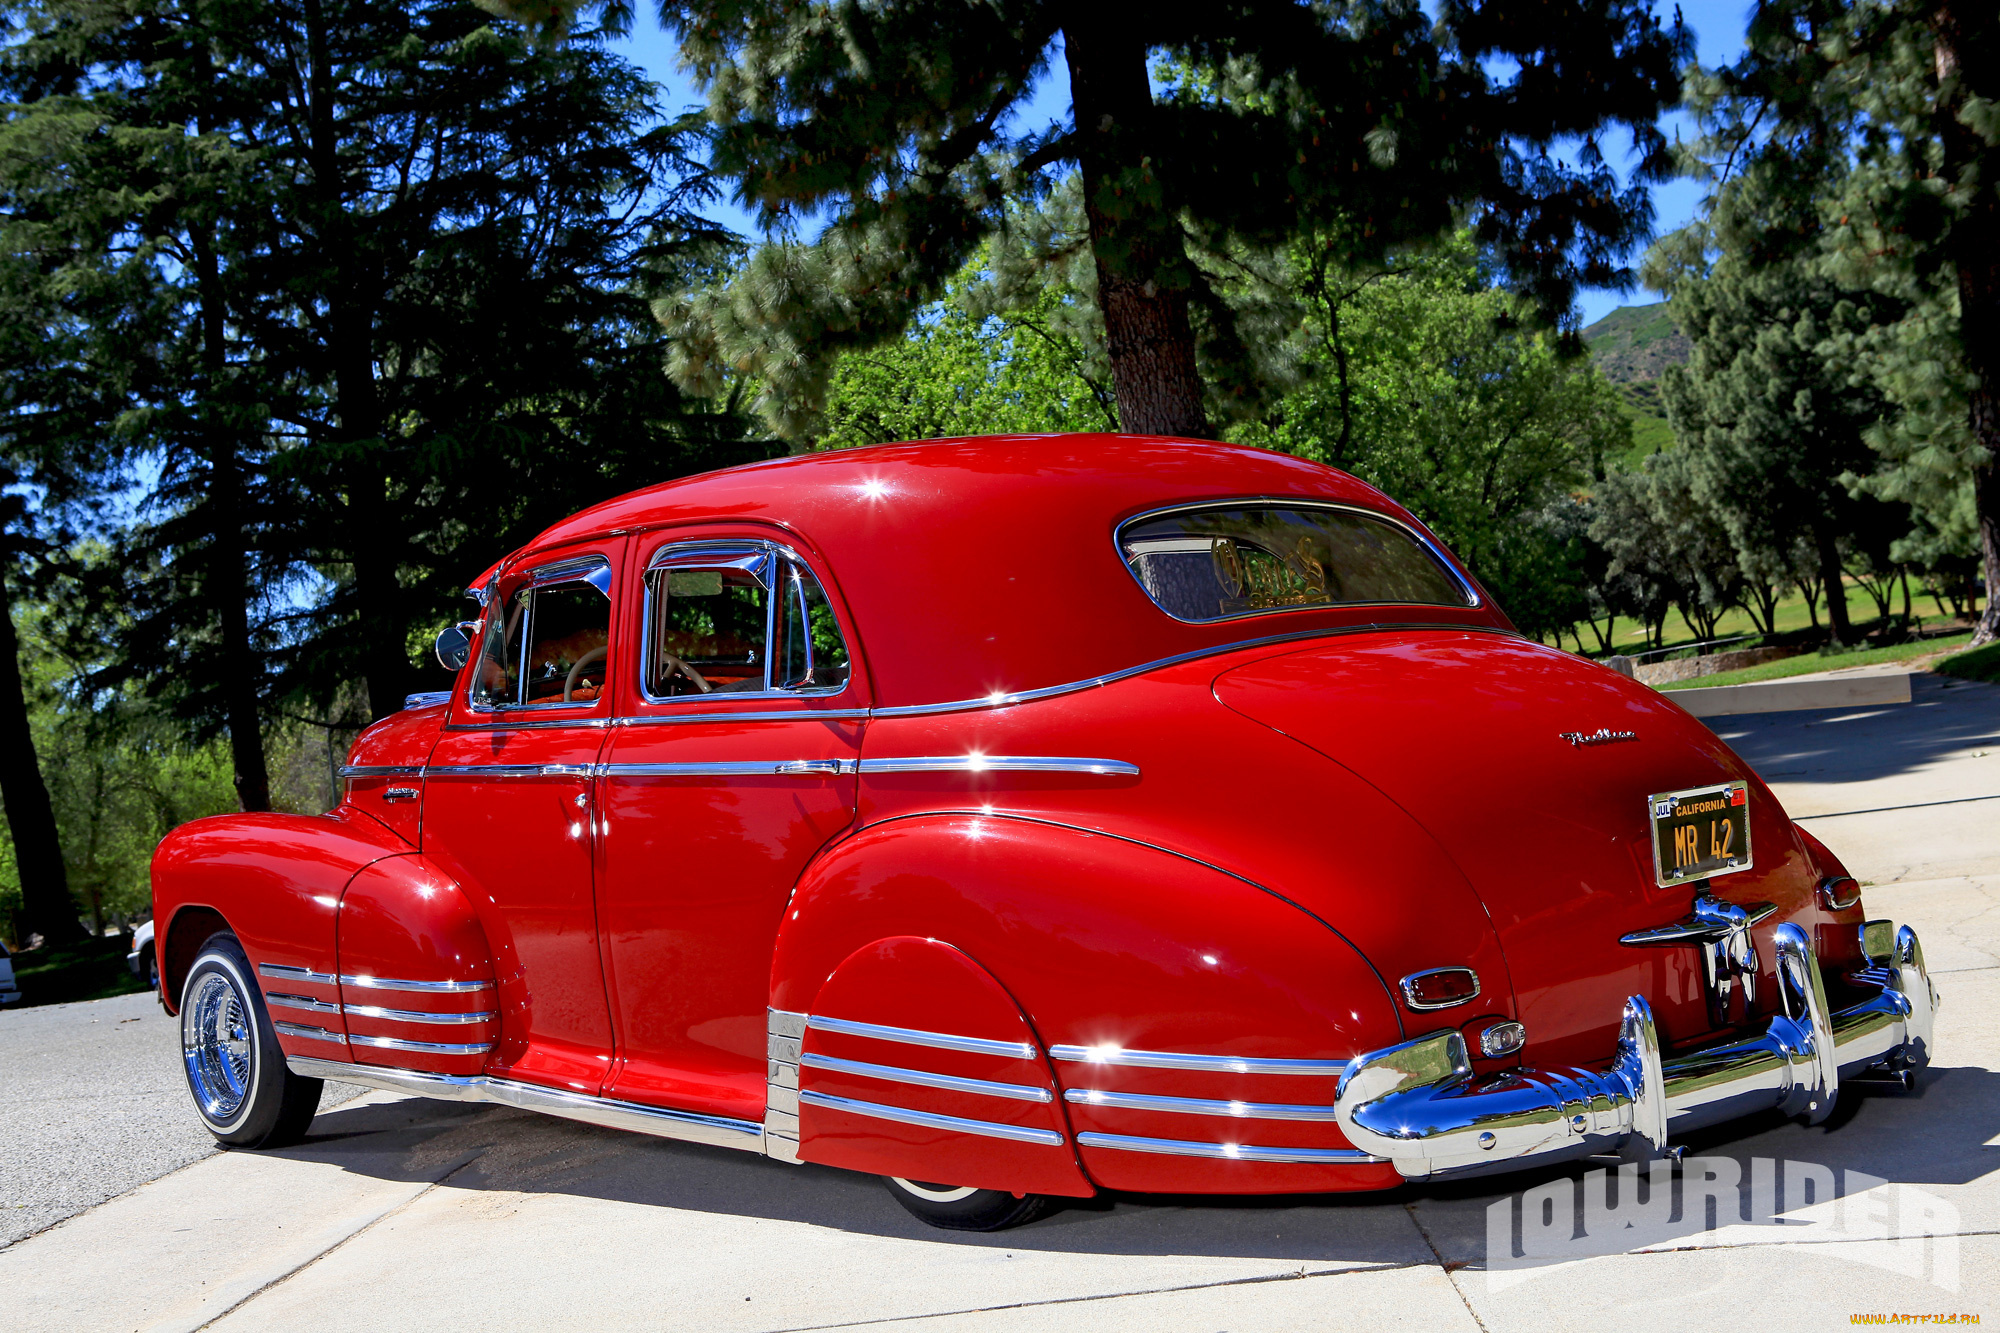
<point x="217" y="1046"/>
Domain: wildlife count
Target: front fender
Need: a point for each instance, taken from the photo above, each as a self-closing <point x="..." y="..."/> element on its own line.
<point x="1107" y="943"/>
<point x="274" y="880"/>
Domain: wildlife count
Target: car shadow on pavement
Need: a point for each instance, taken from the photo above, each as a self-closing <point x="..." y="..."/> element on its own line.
<point x="1944" y="716"/>
<point x="1937" y="1135"/>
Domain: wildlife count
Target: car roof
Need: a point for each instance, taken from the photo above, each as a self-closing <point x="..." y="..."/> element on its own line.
<point x="987" y="565"/>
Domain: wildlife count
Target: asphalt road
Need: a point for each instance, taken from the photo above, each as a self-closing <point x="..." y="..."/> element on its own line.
<point x="93" y="1103"/>
<point x="403" y="1213"/>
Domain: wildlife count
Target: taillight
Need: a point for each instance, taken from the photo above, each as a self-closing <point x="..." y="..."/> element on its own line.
<point x="1440" y="987"/>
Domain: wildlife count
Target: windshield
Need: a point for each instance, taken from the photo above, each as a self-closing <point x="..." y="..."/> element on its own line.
<point x="1213" y="563"/>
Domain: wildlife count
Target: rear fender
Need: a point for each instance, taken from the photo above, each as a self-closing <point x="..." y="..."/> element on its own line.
<point x="415" y="969"/>
<point x="1098" y="942"/>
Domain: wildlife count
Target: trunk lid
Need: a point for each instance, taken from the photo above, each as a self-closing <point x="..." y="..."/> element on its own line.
<point x="1467" y="733"/>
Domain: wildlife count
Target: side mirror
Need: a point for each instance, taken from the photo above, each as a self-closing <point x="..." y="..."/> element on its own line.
<point x="454" y="645"/>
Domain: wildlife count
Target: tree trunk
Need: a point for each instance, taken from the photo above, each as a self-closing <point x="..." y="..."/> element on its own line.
<point x="1967" y="48"/>
<point x="369" y="535"/>
<point x="1143" y="273"/>
<point x="46" y="907"/>
<point x="229" y="577"/>
<point x="1827" y="543"/>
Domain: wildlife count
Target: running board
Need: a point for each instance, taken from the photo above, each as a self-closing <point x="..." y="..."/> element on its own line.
<point x="718" y="1131"/>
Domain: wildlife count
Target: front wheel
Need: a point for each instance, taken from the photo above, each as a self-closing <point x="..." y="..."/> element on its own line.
<point x="963" y="1208"/>
<point x="235" y="1070"/>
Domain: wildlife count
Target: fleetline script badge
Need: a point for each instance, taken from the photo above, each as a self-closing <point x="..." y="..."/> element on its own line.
<point x="1602" y="736"/>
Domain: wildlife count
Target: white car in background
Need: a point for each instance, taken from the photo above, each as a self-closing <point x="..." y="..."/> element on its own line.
<point x="142" y="960"/>
<point x="9" y="991"/>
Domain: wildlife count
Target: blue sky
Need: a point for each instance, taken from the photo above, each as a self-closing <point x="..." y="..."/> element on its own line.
<point x="1717" y="24"/>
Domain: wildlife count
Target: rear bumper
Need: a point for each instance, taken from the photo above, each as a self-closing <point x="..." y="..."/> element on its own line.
<point x="1418" y="1104"/>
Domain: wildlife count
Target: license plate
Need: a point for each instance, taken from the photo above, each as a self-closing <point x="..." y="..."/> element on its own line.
<point x="1700" y="832"/>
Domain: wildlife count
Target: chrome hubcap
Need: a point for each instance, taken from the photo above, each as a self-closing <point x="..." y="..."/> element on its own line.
<point x="215" y="1043"/>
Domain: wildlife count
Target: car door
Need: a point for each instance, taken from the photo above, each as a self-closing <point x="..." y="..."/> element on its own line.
<point x="733" y="763"/>
<point x="507" y="808"/>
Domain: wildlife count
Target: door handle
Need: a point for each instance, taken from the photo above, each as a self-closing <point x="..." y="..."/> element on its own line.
<point x="812" y="768"/>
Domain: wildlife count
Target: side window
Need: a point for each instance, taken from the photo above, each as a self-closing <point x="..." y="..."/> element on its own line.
<point x="548" y="642"/>
<point x="730" y="619"/>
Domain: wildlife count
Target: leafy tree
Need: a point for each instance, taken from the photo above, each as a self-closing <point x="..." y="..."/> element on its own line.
<point x="1893" y="103"/>
<point x="1418" y="378"/>
<point x="897" y="127"/>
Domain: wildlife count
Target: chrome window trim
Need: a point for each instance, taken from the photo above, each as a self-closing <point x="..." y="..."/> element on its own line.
<point x="748" y="715"/>
<point x="1473" y="601"/>
<point x="720" y="549"/>
<point x="422" y="1047"/>
<point x="379" y="771"/>
<point x="1135" y="1101"/>
<point x="923" y="1078"/>
<point x="365" y="982"/>
<point x="549" y="576"/>
<point x="1207" y="1064"/>
<point x="504" y="724"/>
<point x="1004" y="700"/>
<point x="306" y="1031"/>
<point x="1000" y="763"/>
<point x="931" y="1120"/>
<point x="690" y="1126"/>
<point x="286" y="972"/>
<point x="414" y="1015"/>
<point x="1236" y="1152"/>
<point x="944" y="1041"/>
<point x="305" y="1002"/>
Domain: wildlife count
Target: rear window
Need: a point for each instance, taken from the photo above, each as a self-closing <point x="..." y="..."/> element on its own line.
<point x="1213" y="563"/>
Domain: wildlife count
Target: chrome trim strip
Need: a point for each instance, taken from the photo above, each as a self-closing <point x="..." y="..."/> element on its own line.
<point x="999" y="763"/>
<point x="1020" y="1092"/>
<point x="414" y="1015"/>
<point x="284" y="972"/>
<point x="930" y="1120"/>
<point x="730" y="769"/>
<point x="426" y="1047"/>
<point x="379" y="771"/>
<point x="500" y="723"/>
<point x="687" y="1125"/>
<point x="1471" y="590"/>
<point x="495" y="770"/>
<point x="1017" y="1050"/>
<point x="1208" y="1064"/>
<point x="999" y="700"/>
<point x="305" y="1002"/>
<point x="426" y="987"/>
<point x="310" y="1033"/>
<point x="1237" y="1152"/>
<point x="751" y="715"/>
<point x="1135" y="1101"/>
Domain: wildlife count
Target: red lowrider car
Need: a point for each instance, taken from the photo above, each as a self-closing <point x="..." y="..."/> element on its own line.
<point x="1017" y="818"/>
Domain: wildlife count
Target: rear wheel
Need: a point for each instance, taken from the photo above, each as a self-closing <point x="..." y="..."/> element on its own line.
<point x="236" y="1073"/>
<point x="963" y="1208"/>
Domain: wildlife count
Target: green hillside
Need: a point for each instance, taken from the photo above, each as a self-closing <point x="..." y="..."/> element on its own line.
<point x="1633" y="346"/>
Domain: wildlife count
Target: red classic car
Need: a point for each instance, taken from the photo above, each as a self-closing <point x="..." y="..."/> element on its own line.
<point x="1018" y="818"/>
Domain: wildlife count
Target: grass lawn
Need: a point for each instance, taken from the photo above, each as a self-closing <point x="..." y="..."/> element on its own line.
<point x="87" y="971"/>
<point x="1807" y="663"/>
<point x="1628" y="636"/>
<point x="1983" y="664"/>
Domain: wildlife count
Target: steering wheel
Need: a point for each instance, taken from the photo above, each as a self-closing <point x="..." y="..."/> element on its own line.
<point x="596" y="654"/>
<point x="677" y="667"/>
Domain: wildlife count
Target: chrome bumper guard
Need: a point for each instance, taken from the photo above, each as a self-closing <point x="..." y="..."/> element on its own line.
<point x="1418" y="1104"/>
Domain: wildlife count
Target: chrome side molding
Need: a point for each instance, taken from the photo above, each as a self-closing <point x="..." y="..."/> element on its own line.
<point x="944" y="1041"/>
<point x="719" y="1131"/>
<point x="924" y="1078"/>
<point x="1140" y="1101"/>
<point x="365" y="982"/>
<point x="283" y="972"/>
<point x="931" y="1120"/>
<point x="422" y="1047"/>
<point x="308" y="1032"/>
<point x="1235" y="1152"/>
<point x="1207" y="1064"/>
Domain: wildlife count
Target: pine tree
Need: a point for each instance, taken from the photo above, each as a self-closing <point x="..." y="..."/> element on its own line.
<point x="896" y="126"/>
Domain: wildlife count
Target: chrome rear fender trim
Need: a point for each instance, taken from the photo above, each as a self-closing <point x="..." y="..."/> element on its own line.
<point x="1207" y="1064"/>
<point x="1417" y="1104"/>
<point x="945" y="1041"/>
<point x="1233" y="1152"/>
<point x="931" y="1120"/>
<point x="719" y="1131"/>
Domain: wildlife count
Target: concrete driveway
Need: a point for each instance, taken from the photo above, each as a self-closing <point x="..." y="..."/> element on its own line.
<point x="409" y="1214"/>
